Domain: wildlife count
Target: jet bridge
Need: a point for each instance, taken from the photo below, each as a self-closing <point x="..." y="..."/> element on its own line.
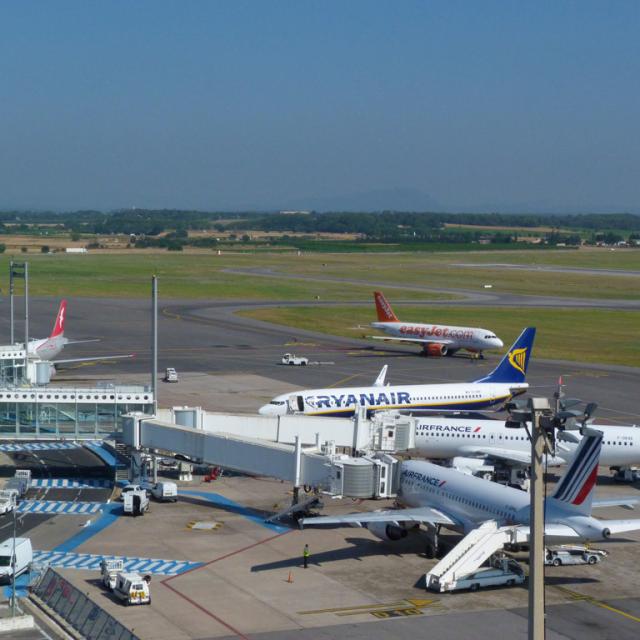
<point x="298" y="449"/>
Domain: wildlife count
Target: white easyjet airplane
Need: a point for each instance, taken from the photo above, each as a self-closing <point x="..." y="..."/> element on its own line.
<point x="507" y="380"/>
<point x="48" y="348"/>
<point x="439" y="496"/>
<point x="436" y="339"/>
<point x="447" y="438"/>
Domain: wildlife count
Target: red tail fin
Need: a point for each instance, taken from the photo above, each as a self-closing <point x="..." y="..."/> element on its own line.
<point x="383" y="308"/>
<point x="58" y="327"/>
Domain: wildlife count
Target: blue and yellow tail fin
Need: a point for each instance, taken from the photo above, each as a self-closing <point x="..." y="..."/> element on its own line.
<point x="513" y="366"/>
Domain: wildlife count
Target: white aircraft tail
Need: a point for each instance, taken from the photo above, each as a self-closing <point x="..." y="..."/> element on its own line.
<point x="381" y="377"/>
<point x="576" y="488"/>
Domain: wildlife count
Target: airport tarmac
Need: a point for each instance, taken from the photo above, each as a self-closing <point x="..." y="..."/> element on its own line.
<point x="356" y="586"/>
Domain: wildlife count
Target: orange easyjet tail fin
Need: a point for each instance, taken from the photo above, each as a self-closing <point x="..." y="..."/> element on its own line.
<point x="383" y="308"/>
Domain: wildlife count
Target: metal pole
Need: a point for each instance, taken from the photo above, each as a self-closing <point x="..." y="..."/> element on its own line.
<point x="154" y="342"/>
<point x="536" y="523"/>
<point x="11" y="298"/>
<point x="26" y="320"/>
<point x="13" y="565"/>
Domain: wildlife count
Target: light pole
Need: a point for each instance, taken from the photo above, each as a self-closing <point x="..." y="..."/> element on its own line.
<point x="13" y="567"/>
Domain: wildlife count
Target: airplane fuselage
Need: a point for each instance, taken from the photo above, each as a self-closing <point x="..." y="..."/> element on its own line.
<point x="470" y="338"/>
<point x="443" y="438"/>
<point x="472" y="501"/>
<point x="44" y="348"/>
<point x="344" y="402"/>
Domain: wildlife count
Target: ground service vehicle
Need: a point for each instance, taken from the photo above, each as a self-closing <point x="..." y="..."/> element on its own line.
<point x="136" y="502"/>
<point x="165" y="491"/>
<point x="132" y="588"/>
<point x="109" y="570"/>
<point x="20" y="483"/>
<point x="23" y="557"/>
<point x="573" y="554"/>
<point x="170" y="375"/>
<point x="505" y="572"/>
<point x="7" y="501"/>
<point x="290" y="358"/>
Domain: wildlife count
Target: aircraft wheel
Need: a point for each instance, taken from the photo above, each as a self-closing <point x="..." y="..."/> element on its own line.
<point x="430" y="551"/>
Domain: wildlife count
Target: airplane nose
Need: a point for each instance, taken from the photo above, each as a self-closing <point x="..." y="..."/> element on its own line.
<point x="499" y="343"/>
<point x="265" y="410"/>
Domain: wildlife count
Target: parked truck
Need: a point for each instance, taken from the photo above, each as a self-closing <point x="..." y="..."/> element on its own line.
<point x="136" y="502"/>
<point x="132" y="588"/>
<point x="23" y="557"/>
<point x="19" y="484"/>
<point x="165" y="491"/>
<point x="8" y="498"/>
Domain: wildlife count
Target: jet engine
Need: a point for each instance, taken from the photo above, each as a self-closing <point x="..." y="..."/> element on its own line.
<point x="386" y="531"/>
<point x="435" y="349"/>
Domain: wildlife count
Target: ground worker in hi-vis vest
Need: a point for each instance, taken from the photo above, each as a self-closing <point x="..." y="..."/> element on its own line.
<point x="305" y="555"/>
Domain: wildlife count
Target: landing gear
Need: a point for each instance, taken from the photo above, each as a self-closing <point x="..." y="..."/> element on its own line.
<point x="432" y="549"/>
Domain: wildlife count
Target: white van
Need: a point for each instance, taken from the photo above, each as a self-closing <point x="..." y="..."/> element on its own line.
<point x="24" y="556"/>
<point x="165" y="491"/>
<point x="132" y="588"/>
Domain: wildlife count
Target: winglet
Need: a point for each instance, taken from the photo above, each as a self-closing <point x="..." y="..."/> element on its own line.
<point x="58" y="327"/>
<point x="381" y="377"/>
<point x="513" y="366"/>
<point x="383" y="308"/>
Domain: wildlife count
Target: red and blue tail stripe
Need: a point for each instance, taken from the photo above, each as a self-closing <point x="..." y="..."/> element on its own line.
<point x="579" y="479"/>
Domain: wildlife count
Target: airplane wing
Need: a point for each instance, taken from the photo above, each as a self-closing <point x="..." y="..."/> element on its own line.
<point x="629" y="502"/>
<point x="417" y="515"/>
<point x="94" y="359"/>
<point x="553" y="530"/>
<point x="81" y="341"/>
<point x="418" y="340"/>
<point x="508" y="455"/>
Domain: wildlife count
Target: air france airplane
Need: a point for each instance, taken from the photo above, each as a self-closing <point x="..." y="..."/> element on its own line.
<point x="445" y="438"/>
<point x="436" y="339"/>
<point x="439" y="496"/>
<point x="48" y="348"/>
<point x="504" y="382"/>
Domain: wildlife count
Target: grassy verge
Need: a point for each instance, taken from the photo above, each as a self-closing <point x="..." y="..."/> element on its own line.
<point x="592" y="335"/>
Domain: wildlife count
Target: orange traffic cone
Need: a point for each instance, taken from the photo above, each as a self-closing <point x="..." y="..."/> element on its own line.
<point x="290" y="578"/>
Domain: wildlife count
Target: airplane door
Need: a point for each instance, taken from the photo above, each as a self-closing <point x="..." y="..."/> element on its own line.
<point x="296" y="404"/>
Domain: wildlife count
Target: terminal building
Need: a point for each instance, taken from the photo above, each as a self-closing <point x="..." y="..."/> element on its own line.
<point x="31" y="408"/>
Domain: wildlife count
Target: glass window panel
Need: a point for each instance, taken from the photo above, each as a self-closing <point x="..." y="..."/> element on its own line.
<point x="87" y="417"/>
<point x="66" y="418"/>
<point x="8" y="417"/>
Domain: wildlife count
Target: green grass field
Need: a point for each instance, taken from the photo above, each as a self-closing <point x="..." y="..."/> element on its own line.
<point x="202" y="275"/>
<point x="585" y="335"/>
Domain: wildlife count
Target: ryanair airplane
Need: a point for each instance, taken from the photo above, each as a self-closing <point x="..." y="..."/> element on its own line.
<point x="507" y="380"/>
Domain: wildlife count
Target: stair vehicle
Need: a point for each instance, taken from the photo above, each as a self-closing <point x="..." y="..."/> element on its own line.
<point x="132" y="588"/>
<point x="136" y="502"/>
<point x="573" y="554"/>
<point x="292" y="359"/>
<point x="507" y="572"/>
<point x="109" y="570"/>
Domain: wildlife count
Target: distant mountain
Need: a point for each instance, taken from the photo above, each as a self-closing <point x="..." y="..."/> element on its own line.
<point x="395" y="199"/>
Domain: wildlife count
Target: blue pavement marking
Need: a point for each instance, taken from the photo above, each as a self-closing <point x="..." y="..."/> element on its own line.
<point x="229" y="505"/>
<point x="55" y="507"/>
<point x="71" y="483"/>
<point x="110" y="513"/>
<point x="90" y="562"/>
<point x="38" y="446"/>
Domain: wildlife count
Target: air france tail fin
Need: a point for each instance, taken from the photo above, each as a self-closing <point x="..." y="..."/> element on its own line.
<point x="513" y="366"/>
<point x="58" y="327"/>
<point x="383" y="308"/>
<point x="576" y="487"/>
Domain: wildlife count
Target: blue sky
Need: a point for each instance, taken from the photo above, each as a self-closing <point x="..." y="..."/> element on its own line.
<point x="216" y="105"/>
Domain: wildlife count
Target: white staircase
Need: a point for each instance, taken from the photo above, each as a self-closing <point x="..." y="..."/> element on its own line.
<point x="469" y="554"/>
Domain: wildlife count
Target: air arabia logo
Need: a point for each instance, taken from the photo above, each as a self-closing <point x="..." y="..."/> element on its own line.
<point x="61" y="322"/>
<point x="517" y="359"/>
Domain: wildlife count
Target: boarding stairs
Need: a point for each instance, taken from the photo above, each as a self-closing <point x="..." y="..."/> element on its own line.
<point x="469" y="554"/>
